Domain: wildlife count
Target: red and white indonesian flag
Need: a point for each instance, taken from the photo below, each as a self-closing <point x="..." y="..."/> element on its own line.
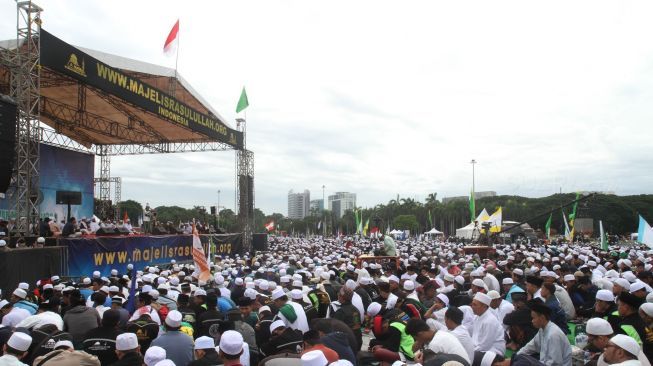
<point x="269" y="226"/>
<point x="172" y="42"/>
<point x="199" y="258"/>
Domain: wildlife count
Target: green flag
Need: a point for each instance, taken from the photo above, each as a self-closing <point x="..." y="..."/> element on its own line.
<point x="547" y="227"/>
<point x="472" y="207"/>
<point x="357" y="218"/>
<point x="604" y="237"/>
<point x="242" y="102"/>
<point x="430" y="220"/>
<point x="572" y="215"/>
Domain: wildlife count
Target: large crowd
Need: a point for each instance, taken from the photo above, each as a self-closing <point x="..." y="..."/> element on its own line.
<point x="334" y="301"/>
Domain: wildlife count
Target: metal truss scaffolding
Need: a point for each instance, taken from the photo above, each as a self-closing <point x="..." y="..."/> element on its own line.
<point x="245" y="188"/>
<point x="25" y="90"/>
<point x="69" y="120"/>
<point x="105" y="196"/>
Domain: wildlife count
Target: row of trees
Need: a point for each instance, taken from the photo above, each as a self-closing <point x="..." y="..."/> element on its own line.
<point x="618" y="213"/>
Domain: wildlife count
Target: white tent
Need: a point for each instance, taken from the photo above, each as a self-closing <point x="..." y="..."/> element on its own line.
<point x="467" y="231"/>
<point x="395" y="232"/>
<point x="434" y="231"/>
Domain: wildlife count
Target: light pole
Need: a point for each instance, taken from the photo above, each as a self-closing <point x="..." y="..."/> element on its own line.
<point x="323" y="213"/>
<point x="473" y="162"/>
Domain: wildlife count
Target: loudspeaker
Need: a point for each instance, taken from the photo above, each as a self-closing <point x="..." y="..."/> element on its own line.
<point x="8" y="118"/>
<point x="259" y="242"/>
<point x="103" y="231"/>
<point x="123" y="231"/>
<point x="250" y="195"/>
<point x="159" y="230"/>
<point x="69" y="197"/>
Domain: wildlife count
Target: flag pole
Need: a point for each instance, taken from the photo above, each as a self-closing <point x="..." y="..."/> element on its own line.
<point x="177" y="53"/>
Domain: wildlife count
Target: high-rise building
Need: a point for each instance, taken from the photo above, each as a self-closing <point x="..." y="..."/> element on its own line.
<point x="299" y="204"/>
<point x="340" y="202"/>
<point x="317" y="206"/>
<point x="477" y="195"/>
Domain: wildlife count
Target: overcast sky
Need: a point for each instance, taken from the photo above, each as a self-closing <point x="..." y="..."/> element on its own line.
<point x="384" y="98"/>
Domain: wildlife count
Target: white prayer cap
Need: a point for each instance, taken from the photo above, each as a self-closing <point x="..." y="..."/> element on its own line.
<point x="96" y="274"/>
<point x="24" y="286"/>
<point x="296" y="294"/>
<point x="154" y="354"/>
<point x="479" y="283"/>
<point x="19" y="341"/>
<point x="264" y="308"/>
<point x="48" y="286"/>
<point x="409" y="285"/>
<point x="374" y="308"/>
<point x="507" y="281"/>
<point x="55" y="278"/>
<point x="200" y="292"/>
<point x="569" y="277"/>
<point x="251" y="293"/>
<point x="341" y="363"/>
<point x="278" y="293"/>
<point x="19" y="292"/>
<point x="126" y="342"/>
<point x="165" y="362"/>
<point x="2" y="243"/>
<point x="622" y="282"/>
<point x="3" y="303"/>
<point x="449" y="277"/>
<point x="173" y="319"/>
<point x="276" y="324"/>
<point x="626" y="343"/>
<point x="263" y="285"/>
<point x="204" y="342"/>
<point x="647" y="308"/>
<point x="366" y="281"/>
<point x="460" y="280"/>
<point x="518" y="272"/>
<point x="494" y="295"/>
<point x="598" y="326"/>
<point x="483" y="298"/>
<point x="86" y="281"/>
<point x="636" y="286"/>
<point x="64" y="344"/>
<point x="605" y="295"/>
<point x="314" y="358"/>
<point x="114" y="289"/>
<point x="351" y="284"/>
<point x="393" y="278"/>
<point x="298" y="284"/>
<point x="444" y="299"/>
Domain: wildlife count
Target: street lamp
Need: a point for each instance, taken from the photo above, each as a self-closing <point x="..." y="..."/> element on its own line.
<point x="323" y="213"/>
<point x="473" y="162"/>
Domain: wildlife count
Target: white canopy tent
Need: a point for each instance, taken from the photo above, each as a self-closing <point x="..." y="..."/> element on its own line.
<point x="434" y="231"/>
<point x="467" y="231"/>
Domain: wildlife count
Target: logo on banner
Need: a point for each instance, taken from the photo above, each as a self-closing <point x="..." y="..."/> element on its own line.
<point x="74" y="66"/>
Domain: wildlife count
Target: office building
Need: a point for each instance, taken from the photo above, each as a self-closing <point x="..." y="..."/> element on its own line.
<point x="317" y="206"/>
<point x="340" y="202"/>
<point x="477" y="195"/>
<point x="299" y="204"/>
